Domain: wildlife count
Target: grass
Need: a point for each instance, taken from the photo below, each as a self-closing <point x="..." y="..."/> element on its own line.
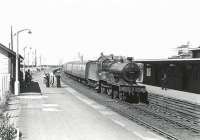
<point x="7" y="129"/>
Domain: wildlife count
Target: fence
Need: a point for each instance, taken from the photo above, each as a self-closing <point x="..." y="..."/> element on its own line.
<point x="4" y="86"/>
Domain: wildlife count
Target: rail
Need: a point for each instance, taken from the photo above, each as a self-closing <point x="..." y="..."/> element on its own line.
<point x="157" y="130"/>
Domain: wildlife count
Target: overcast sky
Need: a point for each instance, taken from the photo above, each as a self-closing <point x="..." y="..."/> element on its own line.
<point x="138" y="28"/>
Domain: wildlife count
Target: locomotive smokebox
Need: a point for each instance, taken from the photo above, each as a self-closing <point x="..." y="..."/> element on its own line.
<point x="129" y="71"/>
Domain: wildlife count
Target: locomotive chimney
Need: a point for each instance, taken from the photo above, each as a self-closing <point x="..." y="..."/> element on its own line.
<point x="130" y="59"/>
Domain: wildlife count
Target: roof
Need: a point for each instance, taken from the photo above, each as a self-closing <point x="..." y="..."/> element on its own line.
<point x="76" y="62"/>
<point x="168" y="60"/>
<point x="194" y="49"/>
<point x="9" y="50"/>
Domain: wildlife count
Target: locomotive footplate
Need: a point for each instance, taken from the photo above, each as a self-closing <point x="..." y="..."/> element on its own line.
<point x="105" y="86"/>
<point x="134" y="93"/>
<point x="130" y="93"/>
<point x="132" y="89"/>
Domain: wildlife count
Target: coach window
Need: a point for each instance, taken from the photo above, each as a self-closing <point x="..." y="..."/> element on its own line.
<point x="148" y="72"/>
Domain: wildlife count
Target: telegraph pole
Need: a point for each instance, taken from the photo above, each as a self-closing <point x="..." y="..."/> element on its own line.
<point x="29" y="55"/>
<point x="24" y="69"/>
<point x="17" y="83"/>
<point x="35" y="58"/>
<point x="40" y="62"/>
<point x="11" y="39"/>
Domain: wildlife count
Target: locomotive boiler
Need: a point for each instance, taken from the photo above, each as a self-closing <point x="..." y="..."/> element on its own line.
<point x="110" y="75"/>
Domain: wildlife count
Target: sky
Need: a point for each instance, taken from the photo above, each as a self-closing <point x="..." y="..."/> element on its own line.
<point x="143" y="29"/>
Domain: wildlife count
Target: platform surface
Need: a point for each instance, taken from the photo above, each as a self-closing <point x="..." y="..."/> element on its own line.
<point x="185" y="96"/>
<point x="65" y="114"/>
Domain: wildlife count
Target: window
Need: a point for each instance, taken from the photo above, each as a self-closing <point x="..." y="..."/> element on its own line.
<point x="148" y="72"/>
<point x="196" y="74"/>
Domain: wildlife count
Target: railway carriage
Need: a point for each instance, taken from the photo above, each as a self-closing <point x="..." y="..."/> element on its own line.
<point x="75" y="69"/>
<point x="92" y="75"/>
<point x="111" y="76"/>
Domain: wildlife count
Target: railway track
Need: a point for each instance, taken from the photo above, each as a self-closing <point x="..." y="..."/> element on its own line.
<point x="183" y="112"/>
<point x="169" y="116"/>
<point x="143" y="123"/>
<point x="143" y="111"/>
<point x="173" y="113"/>
<point x="176" y="104"/>
<point x="149" y="115"/>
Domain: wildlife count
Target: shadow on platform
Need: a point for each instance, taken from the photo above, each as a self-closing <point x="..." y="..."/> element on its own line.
<point x="33" y="87"/>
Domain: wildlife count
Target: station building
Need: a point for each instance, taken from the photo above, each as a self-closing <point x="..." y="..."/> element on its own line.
<point x="183" y="73"/>
<point x="7" y="71"/>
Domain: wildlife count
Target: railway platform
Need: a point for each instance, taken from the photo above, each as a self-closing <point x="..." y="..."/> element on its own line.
<point x="64" y="114"/>
<point x="181" y="95"/>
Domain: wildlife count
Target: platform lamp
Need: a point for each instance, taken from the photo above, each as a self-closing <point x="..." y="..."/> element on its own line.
<point x="17" y="84"/>
<point x="24" y="62"/>
<point x="29" y="53"/>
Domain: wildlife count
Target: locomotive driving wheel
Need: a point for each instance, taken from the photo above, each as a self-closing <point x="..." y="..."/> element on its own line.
<point x="103" y="90"/>
<point x="115" y="94"/>
<point x="109" y="91"/>
<point x="135" y="98"/>
<point x="121" y="96"/>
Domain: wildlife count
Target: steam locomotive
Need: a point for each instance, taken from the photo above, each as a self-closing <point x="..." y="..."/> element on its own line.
<point x="111" y="75"/>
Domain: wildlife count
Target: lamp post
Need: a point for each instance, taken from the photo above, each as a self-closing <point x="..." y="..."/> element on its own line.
<point x="24" y="62"/>
<point x="40" y="62"/>
<point x="29" y="53"/>
<point x="17" y="84"/>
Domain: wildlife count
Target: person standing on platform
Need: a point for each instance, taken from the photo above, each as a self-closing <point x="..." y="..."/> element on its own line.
<point x="47" y="79"/>
<point x="22" y="83"/>
<point x="55" y="80"/>
<point x="28" y="78"/>
<point x="51" y="79"/>
<point x="164" y="82"/>
<point x="58" y="80"/>
<point x="44" y="78"/>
